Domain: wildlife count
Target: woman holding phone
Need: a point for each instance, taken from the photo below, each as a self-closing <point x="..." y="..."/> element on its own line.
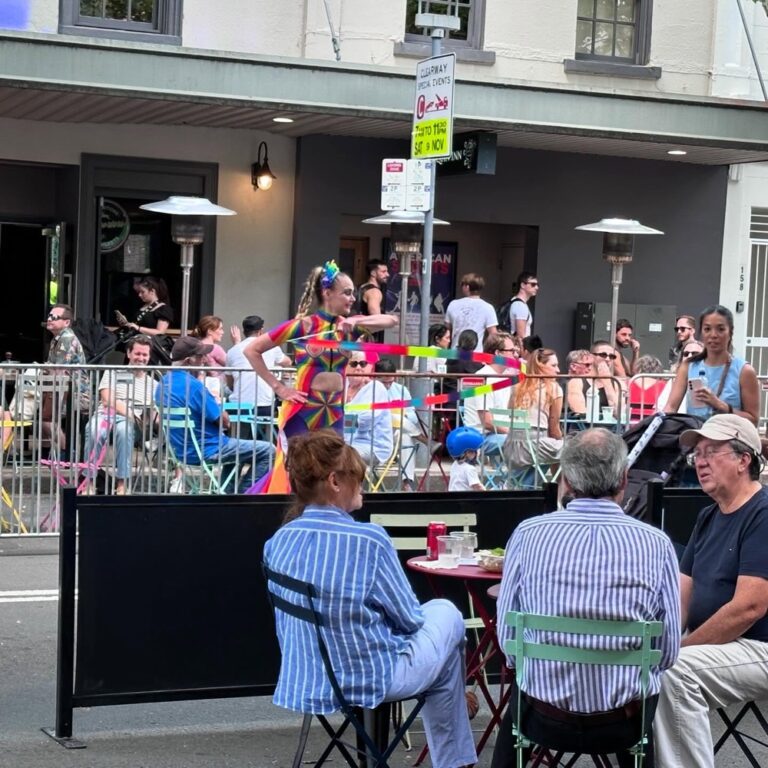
<point x="715" y="381"/>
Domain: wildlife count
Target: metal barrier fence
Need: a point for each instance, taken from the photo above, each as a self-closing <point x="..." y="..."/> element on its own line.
<point x="126" y="429"/>
<point x="66" y="426"/>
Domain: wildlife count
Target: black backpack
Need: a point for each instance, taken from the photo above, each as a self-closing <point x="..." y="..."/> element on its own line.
<point x="502" y="314"/>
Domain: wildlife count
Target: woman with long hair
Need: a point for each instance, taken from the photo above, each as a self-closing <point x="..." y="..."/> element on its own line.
<point x="317" y="398"/>
<point x="382" y="643"/>
<point x="715" y="381"/>
<point x="542" y="400"/>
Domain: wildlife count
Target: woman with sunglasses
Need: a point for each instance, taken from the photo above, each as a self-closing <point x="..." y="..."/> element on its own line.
<point x="715" y="381"/>
<point x="317" y="398"/>
<point x="605" y="391"/>
<point x="369" y="432"/>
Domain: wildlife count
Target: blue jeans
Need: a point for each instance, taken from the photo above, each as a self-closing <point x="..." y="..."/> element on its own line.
<point x="99" y="427"/>
<point x="235" y="453"/>
<point x="434" y="662"/>
<point x="493" y="442"/>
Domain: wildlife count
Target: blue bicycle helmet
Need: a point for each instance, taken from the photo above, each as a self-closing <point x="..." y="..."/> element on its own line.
<point x="463" y="439"/>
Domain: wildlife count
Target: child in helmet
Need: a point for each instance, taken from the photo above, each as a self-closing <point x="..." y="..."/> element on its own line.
<point x="463" y="443"/>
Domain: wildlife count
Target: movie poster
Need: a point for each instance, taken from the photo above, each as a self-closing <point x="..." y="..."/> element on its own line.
<point x="443" y="282"/>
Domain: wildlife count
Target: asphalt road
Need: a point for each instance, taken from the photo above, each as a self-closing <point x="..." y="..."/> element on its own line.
<point x="226" y="733"/>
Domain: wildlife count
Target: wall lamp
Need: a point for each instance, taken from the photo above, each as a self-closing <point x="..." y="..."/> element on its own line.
<point x="261" y="176"/>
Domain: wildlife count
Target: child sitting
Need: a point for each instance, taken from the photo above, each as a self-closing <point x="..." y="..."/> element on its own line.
<point x="463" y="443"/>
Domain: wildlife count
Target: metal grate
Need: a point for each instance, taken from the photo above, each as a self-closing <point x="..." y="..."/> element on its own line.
<point x="759" y="225"/>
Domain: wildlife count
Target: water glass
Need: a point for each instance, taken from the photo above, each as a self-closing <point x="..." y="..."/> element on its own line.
<point x="448" y="549"/>
<point x="607" y="413"/>
<point x="467" y="545"/>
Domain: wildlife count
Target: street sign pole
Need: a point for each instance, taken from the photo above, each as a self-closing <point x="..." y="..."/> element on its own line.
<point x="434" y="101"/>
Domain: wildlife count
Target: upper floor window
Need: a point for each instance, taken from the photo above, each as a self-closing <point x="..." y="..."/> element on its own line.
<point x="149" y="20"/>
<point x="467" y="41"/>
<point x="611" y="30"/>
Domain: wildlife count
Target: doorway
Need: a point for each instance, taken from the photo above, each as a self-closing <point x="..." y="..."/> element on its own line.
<point x="28" y="283"/>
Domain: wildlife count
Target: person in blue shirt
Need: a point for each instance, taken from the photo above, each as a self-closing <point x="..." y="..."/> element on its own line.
<point x="179" y="388"/>
<point x="383" y="645"/>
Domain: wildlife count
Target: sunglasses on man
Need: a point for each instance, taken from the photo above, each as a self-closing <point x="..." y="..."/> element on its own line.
<point x="607" y="355"/>
<point x="56" y="317"/>
<point x="357" y="363"/>
<point x="679" y="328"/>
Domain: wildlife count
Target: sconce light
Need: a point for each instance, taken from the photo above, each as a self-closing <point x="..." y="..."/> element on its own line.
<point x="261" y="176"/>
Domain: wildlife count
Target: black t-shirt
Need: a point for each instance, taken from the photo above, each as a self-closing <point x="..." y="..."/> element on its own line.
<point x="722" y="548"/>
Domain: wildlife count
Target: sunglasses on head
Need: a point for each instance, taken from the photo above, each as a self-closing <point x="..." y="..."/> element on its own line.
<point x="607" y="355"/>
<point x="357" y="363"/>
<point x="679" y="328"/>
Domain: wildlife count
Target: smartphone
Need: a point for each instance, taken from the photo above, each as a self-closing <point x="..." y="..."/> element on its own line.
<point x="695" y="384"/>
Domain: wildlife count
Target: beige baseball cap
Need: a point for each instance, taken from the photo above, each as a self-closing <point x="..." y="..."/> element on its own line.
<point x="724" y="426"/>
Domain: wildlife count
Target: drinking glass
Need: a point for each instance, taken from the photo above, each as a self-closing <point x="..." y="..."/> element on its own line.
<point x="448" y="549"/>
<point x="467" y="546"/>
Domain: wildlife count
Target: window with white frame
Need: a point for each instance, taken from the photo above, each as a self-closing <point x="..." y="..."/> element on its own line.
<point x="613" y="30"/>
<point x="151" y="20"/>
<point x="467" y="41"/>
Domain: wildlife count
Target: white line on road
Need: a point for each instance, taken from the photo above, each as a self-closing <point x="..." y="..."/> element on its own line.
<point x="29" y="595"/>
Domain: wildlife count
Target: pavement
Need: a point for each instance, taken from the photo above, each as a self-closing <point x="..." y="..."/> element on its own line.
<point x="226" y="733"/>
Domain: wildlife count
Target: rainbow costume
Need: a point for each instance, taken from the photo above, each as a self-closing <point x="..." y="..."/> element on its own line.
<point x="322" y="409"/>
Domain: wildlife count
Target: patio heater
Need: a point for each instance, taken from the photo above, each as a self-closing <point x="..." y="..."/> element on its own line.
<point x="618" y="243"/>
<point x="187" y="230"/>
<point x="406" y="232"/>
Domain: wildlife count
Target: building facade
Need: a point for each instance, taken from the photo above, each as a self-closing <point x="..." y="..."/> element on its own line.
<point x="107" y="105"/>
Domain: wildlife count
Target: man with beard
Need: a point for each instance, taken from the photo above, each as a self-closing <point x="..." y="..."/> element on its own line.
<point x="371" y="294"/>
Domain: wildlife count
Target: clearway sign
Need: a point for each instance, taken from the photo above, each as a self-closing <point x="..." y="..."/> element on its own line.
<point x="433" y="107"/>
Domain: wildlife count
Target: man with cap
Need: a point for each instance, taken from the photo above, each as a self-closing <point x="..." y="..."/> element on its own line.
<point x="723" y="592"/>
<point x="180" y="388"/>
<point x="246" y="386"/>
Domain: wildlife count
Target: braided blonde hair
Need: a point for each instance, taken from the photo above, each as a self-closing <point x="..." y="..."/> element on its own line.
<point x="312" y="292"/>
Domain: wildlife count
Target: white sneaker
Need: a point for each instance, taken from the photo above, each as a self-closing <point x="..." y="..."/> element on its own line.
<point x="177" y="485"/>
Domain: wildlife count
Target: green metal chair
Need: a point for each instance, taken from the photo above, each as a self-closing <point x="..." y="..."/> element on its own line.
<point x="200" y="476"/>
<point x="553" y="647"/>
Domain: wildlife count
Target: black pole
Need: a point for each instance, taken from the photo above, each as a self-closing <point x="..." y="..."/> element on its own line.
<point x="655" y="502"/>
<point x="65" y="654"/>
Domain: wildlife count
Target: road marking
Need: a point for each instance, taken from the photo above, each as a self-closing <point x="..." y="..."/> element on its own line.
<point x="29" y="595"/>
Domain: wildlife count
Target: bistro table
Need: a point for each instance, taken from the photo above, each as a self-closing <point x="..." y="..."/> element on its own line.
<point x="476" y="581"/>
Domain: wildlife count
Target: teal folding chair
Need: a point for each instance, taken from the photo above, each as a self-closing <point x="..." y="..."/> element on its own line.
<point x="554" y="642"/>
<point x="199" y="477"/>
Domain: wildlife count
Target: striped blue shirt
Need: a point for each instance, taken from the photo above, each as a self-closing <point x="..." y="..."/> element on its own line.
<point x="364" y="595"/>
<point x="591" y="561"/>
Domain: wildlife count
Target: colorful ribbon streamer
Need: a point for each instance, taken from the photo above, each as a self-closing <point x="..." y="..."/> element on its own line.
<point x="402" y="349"/>
<point x="410" y="351"/>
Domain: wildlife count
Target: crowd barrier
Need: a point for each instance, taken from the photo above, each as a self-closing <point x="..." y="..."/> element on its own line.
<point x="188" y="617"/>
<point x="168" y="612"/>
<point x="52" y="415"/>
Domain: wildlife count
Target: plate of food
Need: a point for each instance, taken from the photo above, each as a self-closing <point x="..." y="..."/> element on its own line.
<point x="491" y="559"/>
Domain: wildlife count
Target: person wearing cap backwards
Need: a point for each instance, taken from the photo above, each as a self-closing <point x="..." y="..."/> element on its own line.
<point x="182" y="389"/>
<point x="723" y="592"/>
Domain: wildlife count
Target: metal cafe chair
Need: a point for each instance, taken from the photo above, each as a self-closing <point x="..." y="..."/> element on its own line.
<point x="303" y="606"/>
<point x="553" y="644"/>
<point x="739" y="736"/>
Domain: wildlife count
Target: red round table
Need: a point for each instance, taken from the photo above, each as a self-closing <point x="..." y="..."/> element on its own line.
<point x="476" y="582"/>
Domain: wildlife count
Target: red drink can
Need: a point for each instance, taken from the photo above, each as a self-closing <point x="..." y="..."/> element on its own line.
<point x="434" y="529"/>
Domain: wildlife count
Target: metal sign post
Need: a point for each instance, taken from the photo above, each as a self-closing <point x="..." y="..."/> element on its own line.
<point x="431" y="138"/>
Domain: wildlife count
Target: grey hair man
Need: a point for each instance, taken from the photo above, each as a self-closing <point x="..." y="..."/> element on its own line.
<point x="724" y="591"/>
<point x="589" y="560"/>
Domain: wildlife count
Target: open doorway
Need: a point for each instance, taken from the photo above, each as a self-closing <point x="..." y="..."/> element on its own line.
<point x="30" y="289"/>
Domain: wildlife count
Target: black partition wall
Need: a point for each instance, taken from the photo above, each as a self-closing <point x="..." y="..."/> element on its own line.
<point x="171" y="600"/>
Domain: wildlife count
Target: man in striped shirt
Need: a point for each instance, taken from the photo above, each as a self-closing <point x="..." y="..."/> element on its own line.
<point x="590" y="561"/>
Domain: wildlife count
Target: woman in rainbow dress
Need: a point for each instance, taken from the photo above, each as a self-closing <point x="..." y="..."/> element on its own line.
<point x="316" y="401"/>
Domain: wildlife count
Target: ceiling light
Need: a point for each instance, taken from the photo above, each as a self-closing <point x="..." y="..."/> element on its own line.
<point x="677" y="152"/>
<point x="282" y="119"/>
